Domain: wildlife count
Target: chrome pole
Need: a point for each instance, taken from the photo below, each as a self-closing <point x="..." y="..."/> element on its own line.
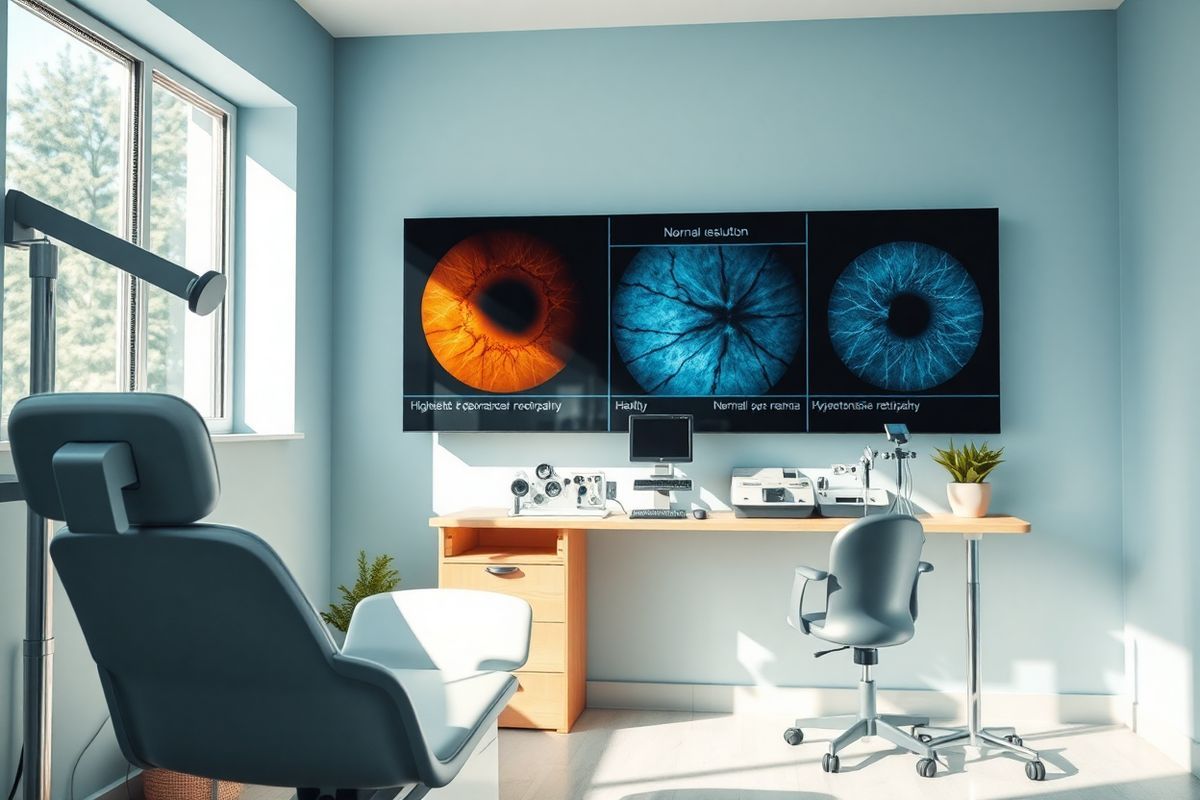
<point x="866" y="700"/>
<point x="39" y="617"/>
<point x="974" y="671"/>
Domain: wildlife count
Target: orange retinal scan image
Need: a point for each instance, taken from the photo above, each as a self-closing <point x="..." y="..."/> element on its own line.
<point x="499" y="310"/>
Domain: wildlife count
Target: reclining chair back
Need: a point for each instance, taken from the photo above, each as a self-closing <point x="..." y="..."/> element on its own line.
<point x="211" y="659"/>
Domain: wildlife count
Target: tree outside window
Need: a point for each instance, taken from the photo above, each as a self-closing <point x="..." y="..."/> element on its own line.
<point x="71" y="143"/>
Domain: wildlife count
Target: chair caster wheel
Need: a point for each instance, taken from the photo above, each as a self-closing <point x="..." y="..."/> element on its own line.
<point x="1014" y="739"/>
<point x="1035" y="770"/>
<point x="927" y="768"/>
<point x="830" y="762"/>
<point x="793" y="736"/>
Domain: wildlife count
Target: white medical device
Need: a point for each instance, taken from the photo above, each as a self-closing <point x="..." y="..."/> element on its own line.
<point x="572" y="493"/>
<point x="771" y="492"/>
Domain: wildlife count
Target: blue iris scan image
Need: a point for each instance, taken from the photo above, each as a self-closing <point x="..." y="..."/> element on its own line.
<point x="708" y="319"/>
<point x="905" y="316"/>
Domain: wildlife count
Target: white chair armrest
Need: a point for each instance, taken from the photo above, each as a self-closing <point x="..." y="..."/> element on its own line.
<point x="455" y="630"/>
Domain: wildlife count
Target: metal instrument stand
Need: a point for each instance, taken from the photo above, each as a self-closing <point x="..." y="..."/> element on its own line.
<point x="974" y="734"/>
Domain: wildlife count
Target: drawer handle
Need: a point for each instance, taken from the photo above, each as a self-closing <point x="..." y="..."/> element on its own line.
<point x="502" y="570"/>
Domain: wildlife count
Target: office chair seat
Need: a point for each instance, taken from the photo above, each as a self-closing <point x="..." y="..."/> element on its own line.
<point x="858" y="630"/>
<point x="815" y="622"/>
<point x="212" y="660"/>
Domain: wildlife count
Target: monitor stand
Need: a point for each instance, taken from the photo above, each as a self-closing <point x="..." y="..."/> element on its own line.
<point x="662" y="498"/>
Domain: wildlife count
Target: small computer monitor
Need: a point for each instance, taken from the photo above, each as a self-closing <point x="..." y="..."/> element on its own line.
<point x="661" y="438"/>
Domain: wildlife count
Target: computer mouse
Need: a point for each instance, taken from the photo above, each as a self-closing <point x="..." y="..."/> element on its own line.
<point x="700" y="513"/>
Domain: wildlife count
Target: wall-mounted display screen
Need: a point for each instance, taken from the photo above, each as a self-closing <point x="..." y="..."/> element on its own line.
<point x="768" y="322"/>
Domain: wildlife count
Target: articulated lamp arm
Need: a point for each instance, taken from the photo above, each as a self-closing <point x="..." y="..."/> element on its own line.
<point x="25" y="218"/>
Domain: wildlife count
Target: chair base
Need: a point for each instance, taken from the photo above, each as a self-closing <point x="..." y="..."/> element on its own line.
<point x="867" y="722"/>
<point x="886" y="726"/>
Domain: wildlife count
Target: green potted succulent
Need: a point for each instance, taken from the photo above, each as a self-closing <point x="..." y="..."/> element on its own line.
<point x="376" y="577"/>
<point x="969" y="466"/>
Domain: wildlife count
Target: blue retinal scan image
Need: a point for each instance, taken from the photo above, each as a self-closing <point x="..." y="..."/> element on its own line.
<point x="702" y="320"/>
<point x="905" y="316"/>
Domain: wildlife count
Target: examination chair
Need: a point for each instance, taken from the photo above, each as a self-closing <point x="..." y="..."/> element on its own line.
<point x="870" y="602"/>
<point x="212" y="660"/>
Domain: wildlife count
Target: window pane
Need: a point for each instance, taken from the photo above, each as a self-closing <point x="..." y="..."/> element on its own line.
<point x="66" y="145"/>
<point x="185" y="225"/>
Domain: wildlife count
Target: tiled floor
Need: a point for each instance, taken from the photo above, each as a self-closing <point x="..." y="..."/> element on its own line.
<point x="644" y="755"/>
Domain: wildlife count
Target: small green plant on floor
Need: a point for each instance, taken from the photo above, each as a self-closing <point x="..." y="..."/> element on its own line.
<point x="969" y="463"/>
<point x="374" y="578"/>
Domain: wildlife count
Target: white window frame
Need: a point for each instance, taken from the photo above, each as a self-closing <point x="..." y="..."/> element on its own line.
<point x="146" y="69"/>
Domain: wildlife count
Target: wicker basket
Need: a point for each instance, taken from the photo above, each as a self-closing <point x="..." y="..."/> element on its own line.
<point x="163" y="784"/>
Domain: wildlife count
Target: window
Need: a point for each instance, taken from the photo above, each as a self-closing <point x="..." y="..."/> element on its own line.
<point x="106" y="131"/>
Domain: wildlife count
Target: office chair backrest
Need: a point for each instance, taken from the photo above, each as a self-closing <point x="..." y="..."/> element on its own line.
<point x="873" y="568"/>
<point x="212" y="660"/>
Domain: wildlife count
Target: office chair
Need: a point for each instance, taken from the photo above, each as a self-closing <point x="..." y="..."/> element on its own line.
<point x="211" y="659"/>
<point x="871" y="602"/>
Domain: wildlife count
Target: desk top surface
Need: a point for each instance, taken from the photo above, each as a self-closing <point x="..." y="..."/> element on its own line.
<point x="717" y="521"/>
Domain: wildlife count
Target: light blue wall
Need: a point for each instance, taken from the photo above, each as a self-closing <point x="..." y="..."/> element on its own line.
<point x="1160" y="282"/>
<point x="1014" y="111"/>
<point x="278" y="489"/>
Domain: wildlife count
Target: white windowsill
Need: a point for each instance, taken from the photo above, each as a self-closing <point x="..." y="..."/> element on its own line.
<point x="222" y="438"/>
<point x="256" y="437"/>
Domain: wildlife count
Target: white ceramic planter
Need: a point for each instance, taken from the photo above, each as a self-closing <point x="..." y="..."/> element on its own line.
<point x="969" y="499"/>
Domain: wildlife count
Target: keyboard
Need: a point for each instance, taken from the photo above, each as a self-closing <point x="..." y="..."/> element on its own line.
<point x="658" y="513"/>
<point x="662" y="484"/>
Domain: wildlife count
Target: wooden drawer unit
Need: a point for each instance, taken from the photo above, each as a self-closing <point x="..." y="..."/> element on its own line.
<point x="542" y="586"/>
<point x="547" y="648"/>
<point x="538" y="701"/>
<point x="547" y="569"/>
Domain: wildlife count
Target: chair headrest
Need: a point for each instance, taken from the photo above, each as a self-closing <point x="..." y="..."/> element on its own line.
<point x="104" y="461"/>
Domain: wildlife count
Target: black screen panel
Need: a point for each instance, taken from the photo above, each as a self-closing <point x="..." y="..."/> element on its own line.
<point x="749" y="322"/>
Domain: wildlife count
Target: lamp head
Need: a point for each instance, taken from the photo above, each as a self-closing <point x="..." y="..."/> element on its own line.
<point x="206" y="292"/>
<point x="896" y="432"/>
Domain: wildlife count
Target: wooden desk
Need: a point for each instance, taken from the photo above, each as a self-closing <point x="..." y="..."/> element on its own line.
<point x="479" y="518"/>
<point x="544" y="561"/>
